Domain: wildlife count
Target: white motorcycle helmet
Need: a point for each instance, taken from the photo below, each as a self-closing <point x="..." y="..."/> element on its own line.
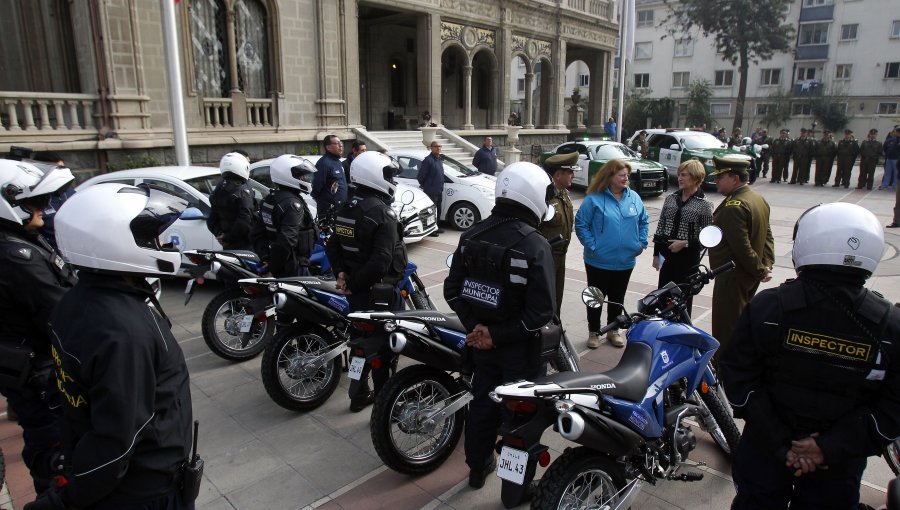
<point x="24" y="184"/>
<point x="375" y="171"/>
<point x="527" y="184"/>
<point x="293" y="172"/>
<point x="117" y="228"/>
<point x="840" y="235"/>
<point x="235" y="164"/>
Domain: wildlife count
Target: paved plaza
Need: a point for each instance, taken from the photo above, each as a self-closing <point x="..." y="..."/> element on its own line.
<point x="260" y="456"/>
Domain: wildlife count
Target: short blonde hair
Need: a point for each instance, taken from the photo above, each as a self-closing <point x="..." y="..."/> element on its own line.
<point x="603" y="177"/>
<point x="695" y="169"/>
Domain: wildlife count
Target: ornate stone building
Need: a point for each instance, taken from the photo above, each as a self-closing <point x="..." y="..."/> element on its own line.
<point x="88" y="76"/>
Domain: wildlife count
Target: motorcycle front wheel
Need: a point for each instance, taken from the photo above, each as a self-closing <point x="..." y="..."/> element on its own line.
<point x="407" y="435"/>
<point x="726" y="433"/>
<point x="289" y="371"/>
<point x="580" y="478"/>
<point x="222" y="327"/>
<point x="419" y="299"/>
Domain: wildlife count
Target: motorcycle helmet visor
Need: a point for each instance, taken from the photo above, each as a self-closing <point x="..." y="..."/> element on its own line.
<point x="303" y="172"/>
<point x="392" y="170"/>
<point x="161" y="211"/>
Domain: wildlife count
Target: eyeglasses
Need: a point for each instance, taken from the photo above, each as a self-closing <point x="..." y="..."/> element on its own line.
<point x="337" y="143"/>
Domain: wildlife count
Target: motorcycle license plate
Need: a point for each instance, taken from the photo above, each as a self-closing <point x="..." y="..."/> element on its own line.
<point x="189" y="288"/>
<point x="648" y="184"/>
<point x="512" y="464"/>
<point x="356" y="368"/>
<point x="246" y="322"/>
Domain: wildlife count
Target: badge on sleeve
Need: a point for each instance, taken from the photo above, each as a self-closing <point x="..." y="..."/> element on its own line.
<point x="733" y="203"/>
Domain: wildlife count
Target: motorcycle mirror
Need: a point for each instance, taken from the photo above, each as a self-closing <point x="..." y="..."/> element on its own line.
<point x="592" y="297"/>
<point x="407" y="197"/>
<point x="449" y="260"/>
<point x="710" y="236"/>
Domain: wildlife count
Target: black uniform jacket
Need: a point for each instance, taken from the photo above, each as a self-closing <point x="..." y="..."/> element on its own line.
<point x="798" y="364"/>
<point x="367" y="243"/>
<point x="285" y="233"/>
<point x="33" y="278"/>
<point x="532" y="274"/>
<point x="126" y="395"/>
<point x="232" y="212"/>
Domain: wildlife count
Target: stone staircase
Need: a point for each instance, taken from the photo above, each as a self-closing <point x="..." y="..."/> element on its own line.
<point x="412" y="140"/>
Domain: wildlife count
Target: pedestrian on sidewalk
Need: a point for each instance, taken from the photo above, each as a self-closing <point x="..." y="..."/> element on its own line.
<point x="485" y="159"/>
<point x="891" y="149"/>
<point x="869" y="153"/>
<point x="431" y="179"/>
<point x="847" y="150"/>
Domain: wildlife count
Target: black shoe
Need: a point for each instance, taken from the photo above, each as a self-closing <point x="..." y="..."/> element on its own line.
<point x="357" y="404"/>
<point x="835" y="185"/>
<point x="434" y="234"/>
<point x="893" y="225"/>
<point x="440" y="231"/>
<point x="477" y="478"/>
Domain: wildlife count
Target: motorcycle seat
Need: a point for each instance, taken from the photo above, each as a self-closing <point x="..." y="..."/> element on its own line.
<point x="314" y="282"/>
<point x="244" y="254"/>
<point x="628" y="380"/>
<point x="434" y="318"/>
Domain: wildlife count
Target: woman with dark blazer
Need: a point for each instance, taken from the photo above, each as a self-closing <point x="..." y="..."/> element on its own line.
<point x="676" y="247"/>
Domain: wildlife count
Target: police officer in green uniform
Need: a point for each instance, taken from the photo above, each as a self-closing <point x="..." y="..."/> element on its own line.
<point x="869" y="152"/>
<point x="847" y="150"/>
<point x="804" y="148"/>
<point x="736" y="138"/>
<point x="561" y="169"/>
<point x="640" y="144"/>
<point x="747" y="240"/>
<point x="765" y="155"/>
<point x="826" y="150"/>
<point x="781" y="149"/>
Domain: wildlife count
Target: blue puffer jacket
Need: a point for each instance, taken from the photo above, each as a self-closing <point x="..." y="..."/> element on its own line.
<point x="613" y="232"/>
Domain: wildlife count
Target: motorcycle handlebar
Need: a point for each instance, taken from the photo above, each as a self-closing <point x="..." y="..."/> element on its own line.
<point x="609" y="327"/>
<point x="728" y="266"/>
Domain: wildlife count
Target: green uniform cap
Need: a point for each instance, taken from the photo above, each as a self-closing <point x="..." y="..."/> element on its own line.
<point x="726" y="164"/>
<point x="561" y="161"/>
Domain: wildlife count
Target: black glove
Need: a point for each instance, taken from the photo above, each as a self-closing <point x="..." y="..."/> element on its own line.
<point x="49" y="500"/>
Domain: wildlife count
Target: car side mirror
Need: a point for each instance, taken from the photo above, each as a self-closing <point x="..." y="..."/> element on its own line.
<point x="192" y="213"/>
<point x="674" y="146"/>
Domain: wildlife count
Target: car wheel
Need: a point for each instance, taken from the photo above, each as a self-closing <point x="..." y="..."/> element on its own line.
<point x="463" y="215"/>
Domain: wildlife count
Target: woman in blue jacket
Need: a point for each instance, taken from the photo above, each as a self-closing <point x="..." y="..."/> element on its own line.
<point x="612" y="226"/>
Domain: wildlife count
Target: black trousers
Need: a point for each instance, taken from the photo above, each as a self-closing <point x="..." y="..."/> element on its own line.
<point x="492" y="368"/>
<point x="677" y="267"/>
<point x="614" y="284"/>
<point x="39" y="419"/>
<point x="380" y="375"/>
<point x="765" y="483"/>
<point x="170" y="501"/>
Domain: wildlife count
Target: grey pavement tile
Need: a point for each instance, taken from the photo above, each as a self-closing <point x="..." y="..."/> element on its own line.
<point x="209" y="493"/>
<point x="239" y="399"/>
<point x="263" y="414"/>
<point x="219" y="432"/>
<point x="222" y="380"/>
<point x="284" y="489"/>
<point x="220" y="503"/>
<point x="242" y="466"/>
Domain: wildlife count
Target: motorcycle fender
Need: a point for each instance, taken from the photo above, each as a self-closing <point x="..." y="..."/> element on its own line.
<point x="432" y="353"/>
<point x="708" y="376"/>
<point x="369" y="344"/>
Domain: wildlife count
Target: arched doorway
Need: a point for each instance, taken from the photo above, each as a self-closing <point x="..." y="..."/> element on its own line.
<point x="578" y="78"/>
<point x="453" y="63"/>
<point x="543" y="74"/>
<point x="484" y="89"/>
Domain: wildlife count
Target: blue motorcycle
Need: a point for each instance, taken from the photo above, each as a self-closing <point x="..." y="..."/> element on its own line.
<point x="301" y="366"/>
<point x="629" y="421"/>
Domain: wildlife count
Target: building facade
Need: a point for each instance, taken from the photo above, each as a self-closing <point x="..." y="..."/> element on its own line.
<point x="88" y="78"/>
<point x="846" y="47"/>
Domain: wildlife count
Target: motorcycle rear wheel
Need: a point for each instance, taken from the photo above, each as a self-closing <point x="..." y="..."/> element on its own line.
<point x="221" y="327"/>
<point x="404" y="442"/>
<point x="580" y="478"/>
<point x="285" y="371"/>
<point x="892" y="456"/>
<point x="727" y="435"/>
<point x="419" y="299"/>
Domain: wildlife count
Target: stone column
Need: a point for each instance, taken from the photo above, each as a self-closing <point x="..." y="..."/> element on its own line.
<point x="598" y="97"/>
<point x="230" y="39"/>
<point x="428" y="61"/>
<point x="504" y="42"/>
<point x="467" y="97"/>
<point x="350" y="61"/>
<point x="528" y="122"/>
<point x="496" y="119"/>
<point x="556" y="98"/>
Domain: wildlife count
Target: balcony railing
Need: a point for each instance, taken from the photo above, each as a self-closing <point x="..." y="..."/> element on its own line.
<point x="47" y="113"/>
<point x="237" y="112"/>
<point x="809" y="88"/>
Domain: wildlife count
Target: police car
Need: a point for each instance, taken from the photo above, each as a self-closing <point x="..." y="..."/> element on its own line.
<point x="192" y="183"/>
<point x="468" y="194"/>
<point x="647" y="177"/>
<point x="421" y="207"/>
<point x="671" y="147"/>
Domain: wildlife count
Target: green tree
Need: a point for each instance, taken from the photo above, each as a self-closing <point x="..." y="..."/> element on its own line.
<point x="699" y="94"/>
<point x="830" y="109"/>
<point x="743" y="32"/>
<point x="778" y="109"/>
<point x="639" y="108"/>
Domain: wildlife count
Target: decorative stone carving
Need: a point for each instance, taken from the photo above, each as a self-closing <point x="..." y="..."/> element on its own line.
<point x="483" y="10"/>
<point x="533" y="48"/>
<point x="468" y="36"/>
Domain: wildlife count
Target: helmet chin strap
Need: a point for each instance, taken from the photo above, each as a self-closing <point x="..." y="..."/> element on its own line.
<point x="30" y="223"/>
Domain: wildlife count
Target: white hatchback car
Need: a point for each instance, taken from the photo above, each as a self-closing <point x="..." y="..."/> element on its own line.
<point x="421" y="206"/>
<point x="192" y="183"/>
<point x="468" y="194"/>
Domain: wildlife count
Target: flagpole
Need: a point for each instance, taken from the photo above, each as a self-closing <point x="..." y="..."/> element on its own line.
<point x="626" y="38"/>
<point x="173" y="68"/>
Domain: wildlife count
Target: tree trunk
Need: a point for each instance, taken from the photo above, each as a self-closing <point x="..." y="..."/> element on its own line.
<point x="742" y="91"/>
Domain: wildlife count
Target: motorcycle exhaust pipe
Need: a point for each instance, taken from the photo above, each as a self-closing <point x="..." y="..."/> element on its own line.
<point x="571" y="426"/>
<point x="397" y="341"/>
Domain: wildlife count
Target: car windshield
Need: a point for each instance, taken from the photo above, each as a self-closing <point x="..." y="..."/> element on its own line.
<point x="456" y="168"/>
<point x="613" y="151"/>
<point x="207" y="183"/>
<point x="702" y="141"/>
